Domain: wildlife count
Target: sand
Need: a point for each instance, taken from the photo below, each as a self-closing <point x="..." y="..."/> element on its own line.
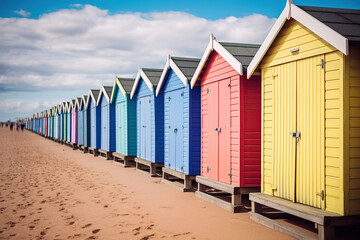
<point x="49" y="191"/>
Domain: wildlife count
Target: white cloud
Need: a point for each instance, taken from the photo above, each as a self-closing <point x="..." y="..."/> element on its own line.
<point x="22" y="13"/>
<point x="85" y="46"/>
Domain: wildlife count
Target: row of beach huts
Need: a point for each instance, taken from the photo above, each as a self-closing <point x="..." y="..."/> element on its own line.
<point x="278" y="123"/>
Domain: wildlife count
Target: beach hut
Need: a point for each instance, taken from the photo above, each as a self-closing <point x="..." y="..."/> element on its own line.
<point x="61" y="120"/>
<point x="45" y="123"/>
<point x="80" y="126"/>
<point x="74" y="123"/>
<point x="49" y="123"/>
<point x="86" y="122"/>
<point x="95" y="120"/>
<point x="68" y="122"/>
<point x="150" y="120"/>
<point x="230" y="122"/>
<point x="309" y="66"/>
<point x="125" y="121"/>
<point x="65" y="118"/>
<point x="107" y="123"/>
<point x="182" y="121"/>
<point x="56" y="123"/>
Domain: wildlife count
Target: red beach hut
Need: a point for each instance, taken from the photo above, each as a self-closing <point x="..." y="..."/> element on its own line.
<point x="230" y="122"/>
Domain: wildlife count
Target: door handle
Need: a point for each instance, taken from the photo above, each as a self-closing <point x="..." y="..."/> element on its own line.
<point x="218" y="129"/>
<point x="175" y="130"/>
<point x="297" y="135"/>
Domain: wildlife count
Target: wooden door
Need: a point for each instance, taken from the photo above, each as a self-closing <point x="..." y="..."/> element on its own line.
<point x="310" y="124"/>
<point x="211" y="125"/>
<point x="224" y="131"/>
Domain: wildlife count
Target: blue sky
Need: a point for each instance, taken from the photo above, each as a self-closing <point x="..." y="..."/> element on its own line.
<point x="52" y="51"/>
<point x="208" y="9"/>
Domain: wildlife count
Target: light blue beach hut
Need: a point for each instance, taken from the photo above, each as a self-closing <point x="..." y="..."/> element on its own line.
<point x="125" y="121"/>
<point x="95" y="120"/>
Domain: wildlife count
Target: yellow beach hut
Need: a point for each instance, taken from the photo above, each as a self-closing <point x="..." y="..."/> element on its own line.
<point x="310" y="73"/>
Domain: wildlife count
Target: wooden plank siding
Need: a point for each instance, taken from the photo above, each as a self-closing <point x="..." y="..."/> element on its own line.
<point x="294" y="35"/>
<point x="245" y="105"/>
<point x="353" y="145"/>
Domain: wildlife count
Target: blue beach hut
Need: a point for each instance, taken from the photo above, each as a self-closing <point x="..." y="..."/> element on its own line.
<point x="150" y="120"/>
<point x="80" y="125"/>
<point x="95" y="120"/>
<point x="125" y="121"/>
<point x="85" y="99"/>
<point x="60" y="112"/>
<point x="182" y="120"/>
<point x="107" y="123"/>
<point x="68" y="123"/>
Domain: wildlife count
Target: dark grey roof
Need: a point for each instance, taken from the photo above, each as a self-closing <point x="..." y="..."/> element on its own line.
<point x="186" y="65"/>
<point x="108" y="90"/>
<point x="86" y="98"/>
<point x="127" y="84"/>
<point x="73" y="102"/>
<point x="153" y="75"/>
<point x="95" y="93"/>
<point x="243" y="52"/>
<point x="344" y="21"/>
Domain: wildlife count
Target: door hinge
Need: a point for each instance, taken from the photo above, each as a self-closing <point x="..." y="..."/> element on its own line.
<point x="208" y="90"/>
<point x="169" y="98"/>
<point x="208" y="169"/>
<point x="182" y="94"/>
<point x="229" y="85"/>
<point x="322" y="63"/>
<point x="321" y="194"/>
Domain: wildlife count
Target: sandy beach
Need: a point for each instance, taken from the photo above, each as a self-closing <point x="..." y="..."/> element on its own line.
<point x="49" y="191"/>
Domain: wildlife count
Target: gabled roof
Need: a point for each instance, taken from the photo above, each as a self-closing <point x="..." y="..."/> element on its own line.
<point x="94" y="94"/>
<point x="150" y="76"/>
<point x="183" y="67"/>
<point x="344" y="21"/>
<point x="336" y="26"/>
<point x="238" y="55"/>
<point x="124" y="84"/>
<point x="72" y="105"/>
<point x="106" y="90"/>
<point x="78" y="102"/>
<point x="85" y="100"/>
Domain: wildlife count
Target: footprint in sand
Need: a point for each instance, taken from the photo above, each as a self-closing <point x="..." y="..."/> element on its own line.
<point x="91" y="237"/>
<point x="87" y="225"/>
<point x="95" y="231"/>
<point x="71" y="223"/>
<point x="147" y="237"/>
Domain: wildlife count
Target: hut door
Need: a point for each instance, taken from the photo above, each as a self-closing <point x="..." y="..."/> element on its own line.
<point x="123" y="122"/>
<point x="210" y="123"/>
<point x="224" y="131"/>
<point x="310" y="123"/>
<point x="172" y="106"/>
<point x="284" y="101"/>
<point x="176" y="131"/>
<point x="145" y="124"/>
<point x="104" y="134"/>
<point x="299" y="131"/>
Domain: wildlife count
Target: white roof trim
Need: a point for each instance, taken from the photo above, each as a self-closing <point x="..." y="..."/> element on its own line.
<point x="118" y="82"/>
<point x="292" y="11"/>
<point x="171" y="64"/>
<point x="84" y="101"/>
<point x="163" y="74"/>
<point x="215" y="45"/>
<point x="103" y="91"/>
<point x="146" y="80"/>
<point x="93" y="98"/>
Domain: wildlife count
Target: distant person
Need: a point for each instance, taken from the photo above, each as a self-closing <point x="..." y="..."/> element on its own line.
<point x="22" y="127"/>
<point x="11" y="126"/>
<point x="17" y="127"/>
